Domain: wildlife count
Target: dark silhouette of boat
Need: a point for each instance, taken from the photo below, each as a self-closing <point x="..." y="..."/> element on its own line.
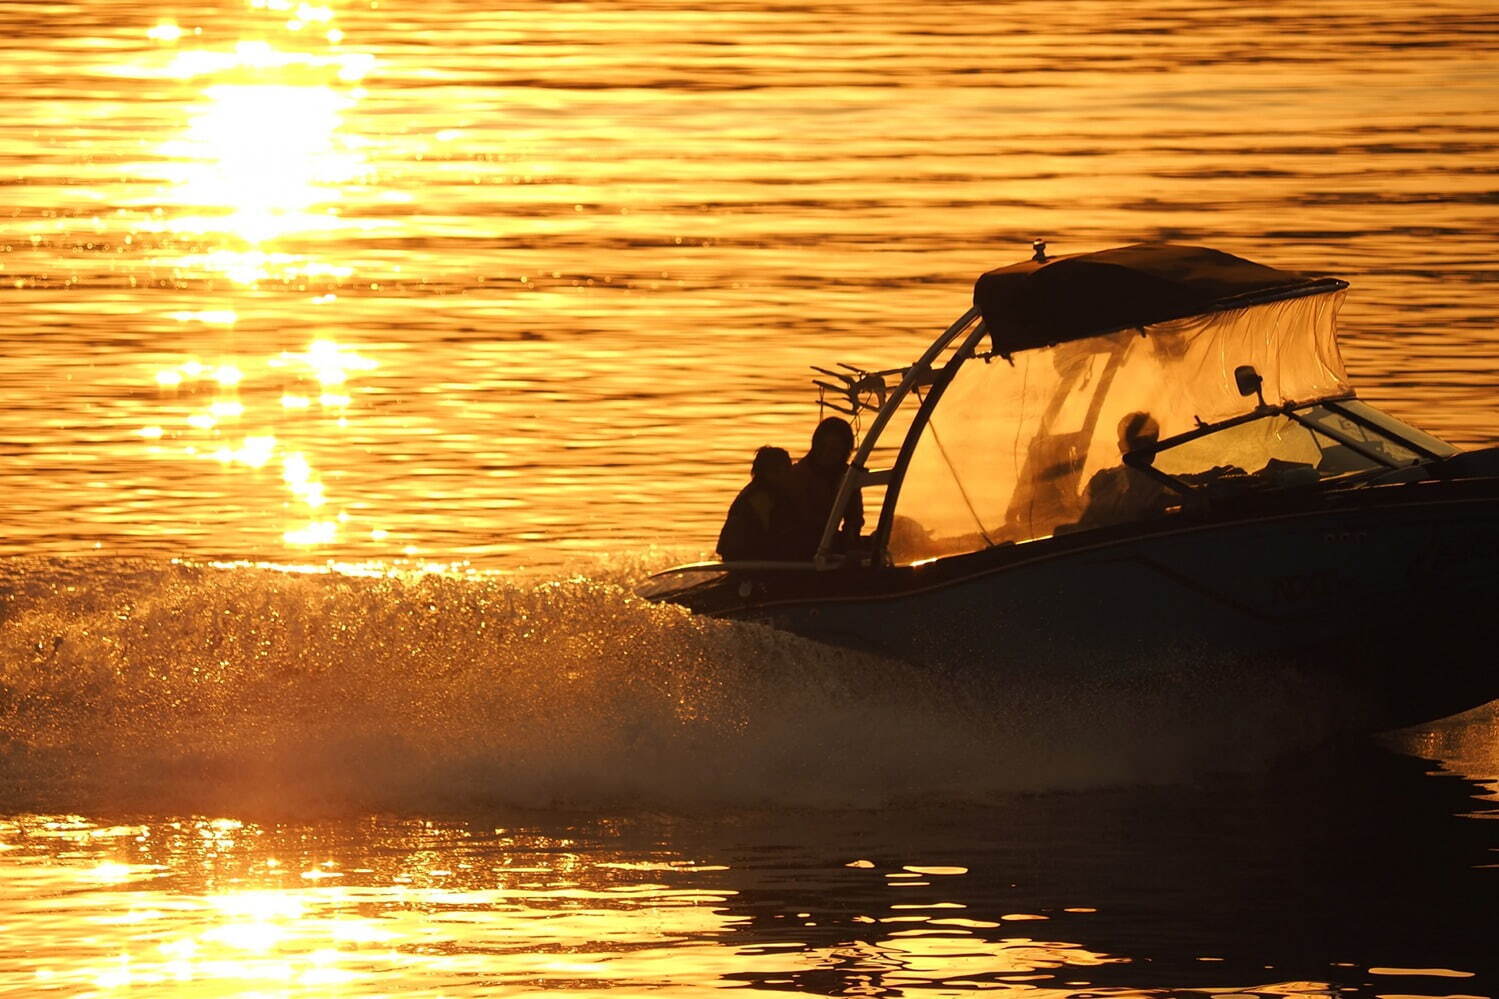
<point x="1136" y="459"/>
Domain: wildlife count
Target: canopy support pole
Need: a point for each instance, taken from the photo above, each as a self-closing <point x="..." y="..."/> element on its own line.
<point x="858" y="469"/>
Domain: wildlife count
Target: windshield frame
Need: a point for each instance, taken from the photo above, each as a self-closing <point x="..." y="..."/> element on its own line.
<point x="1143" y="459"/>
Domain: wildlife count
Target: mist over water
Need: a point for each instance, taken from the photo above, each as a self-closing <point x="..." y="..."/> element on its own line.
<point x="133" y="684"/>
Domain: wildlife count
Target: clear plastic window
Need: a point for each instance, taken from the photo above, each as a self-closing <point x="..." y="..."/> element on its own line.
<point x="1015" y="448"/>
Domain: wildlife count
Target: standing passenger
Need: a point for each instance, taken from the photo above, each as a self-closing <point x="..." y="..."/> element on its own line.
<point x="819" y="474"/>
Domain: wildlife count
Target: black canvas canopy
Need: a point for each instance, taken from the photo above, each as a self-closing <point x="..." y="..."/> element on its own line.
<point x="1039" y="303"/>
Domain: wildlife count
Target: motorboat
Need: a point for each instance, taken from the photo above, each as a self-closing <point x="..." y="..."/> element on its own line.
<point x="1136" y="458"/>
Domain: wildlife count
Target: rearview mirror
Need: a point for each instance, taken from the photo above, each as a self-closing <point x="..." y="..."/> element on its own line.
<point x="1248" y="380"/>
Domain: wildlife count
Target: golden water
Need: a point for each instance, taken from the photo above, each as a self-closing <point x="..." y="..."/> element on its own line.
<point x="452" y="281"/>
<point x="524" y="284"/>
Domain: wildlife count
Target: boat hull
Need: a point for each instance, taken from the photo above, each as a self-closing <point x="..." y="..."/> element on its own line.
<point x="1387" y="600"/>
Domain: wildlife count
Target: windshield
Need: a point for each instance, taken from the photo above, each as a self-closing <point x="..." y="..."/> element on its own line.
<point x="1278" y="451"/>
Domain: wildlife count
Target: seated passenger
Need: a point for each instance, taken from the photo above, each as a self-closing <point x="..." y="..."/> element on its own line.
<point x="817" y="477"/>
<point x="1123" y="493"/>
<point x="764" y="521"/>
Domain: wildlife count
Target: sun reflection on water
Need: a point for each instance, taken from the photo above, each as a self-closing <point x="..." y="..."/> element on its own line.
<point x="267" y="152"/>
<point x="214" y="406"/>
<point x="458" y="909"/>
<point x="259" y="925"/>
<point x="264" y="154"/>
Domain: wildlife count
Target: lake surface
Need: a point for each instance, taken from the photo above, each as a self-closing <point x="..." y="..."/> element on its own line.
<point x="505" y="287"/>
<point x="522" y="282"/>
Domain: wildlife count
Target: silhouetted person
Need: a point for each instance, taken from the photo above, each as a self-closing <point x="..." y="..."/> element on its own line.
<point x="818" y="475"/>
<point x="765" y="519"/>
<point x="1123" y="493"/>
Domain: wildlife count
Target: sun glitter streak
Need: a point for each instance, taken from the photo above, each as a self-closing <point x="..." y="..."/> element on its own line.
<point x="263" y="155"/>
<point x="324" y="362"/>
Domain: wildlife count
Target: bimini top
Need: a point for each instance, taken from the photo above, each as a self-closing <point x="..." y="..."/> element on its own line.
<point x="1039" y="303"/>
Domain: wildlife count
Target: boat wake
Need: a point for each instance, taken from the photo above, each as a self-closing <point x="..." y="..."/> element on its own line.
<point x="131" y="684"/>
